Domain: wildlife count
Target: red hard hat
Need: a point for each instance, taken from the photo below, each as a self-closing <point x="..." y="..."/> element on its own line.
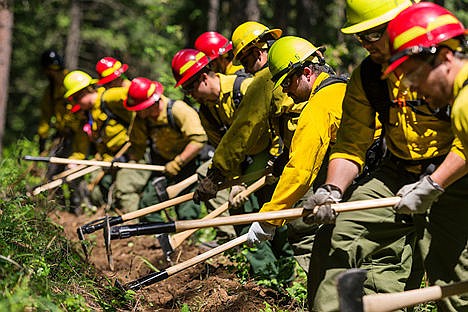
<point x="142" y="93"/>
<point x="186" y="63"/>
<point x="213" y="44"/>
<point x="108" y="69"/>
<point x="422" y="25"/>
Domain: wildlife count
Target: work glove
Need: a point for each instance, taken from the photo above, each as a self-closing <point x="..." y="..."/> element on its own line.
<point x="259" y="232"/>
<point x="208" y="187"/>
<point x="173" y="167"/>
<point x="236" y="201"/>
<point x="418" y="197"/>
<point x="323" y="197"/>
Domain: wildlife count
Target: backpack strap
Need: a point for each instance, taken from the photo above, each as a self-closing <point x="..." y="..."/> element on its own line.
<point x="170" y="115"/>
<point x="110" y="114"/>
<point x="236" y="89"/>
<point x="332" y="79"/>
<point x="375" y="88"/>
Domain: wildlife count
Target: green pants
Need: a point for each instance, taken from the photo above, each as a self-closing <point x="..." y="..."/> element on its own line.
<point x="185" y="211"/>
<point x="128" y="186"/>
<point x="221" y="198"/>
<point x="390" y="246"/>
<point x="126" y="189"/>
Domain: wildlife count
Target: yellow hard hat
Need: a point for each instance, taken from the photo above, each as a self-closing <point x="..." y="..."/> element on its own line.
<point x="250" y="33"/>
<point x="287" y="54"/>
<point x="362" y="15"/>
<point x="75" y="81"/>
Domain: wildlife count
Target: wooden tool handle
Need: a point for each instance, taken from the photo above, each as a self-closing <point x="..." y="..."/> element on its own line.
<point x="206" y="255"/>
<point x="68" y="172"/>
<point x="174" y="190"/>
<point x="282" y="214"/>
<point x="105" y="164"/>
<point x="394" y="301"/>
<point x="177" y="239"/>
<point x="157" y="207"/>
<point x="71" y="177"/>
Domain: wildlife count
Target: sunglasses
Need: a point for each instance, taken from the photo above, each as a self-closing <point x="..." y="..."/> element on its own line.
<point x="288" y="80"/>
<point x="371" y="37"/>
<point x="190" y="86"/>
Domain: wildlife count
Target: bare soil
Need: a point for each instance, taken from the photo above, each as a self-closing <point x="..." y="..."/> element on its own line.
<point x="209" y="286"/>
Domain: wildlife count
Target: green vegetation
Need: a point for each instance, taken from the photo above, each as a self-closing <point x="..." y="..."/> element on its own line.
<point x="39" y="268"/>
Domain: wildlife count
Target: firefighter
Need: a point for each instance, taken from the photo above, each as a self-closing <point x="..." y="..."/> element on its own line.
<point x="59" y="123"/>
<point x="299" y="69"/>
<point x="219" y="96"/>
<point x="177" y="137"/>
<point x="111" y="73"/>
<point x="434" y="62"/>
<point x="420" y="147"/>
<point x="219" y="50"/>
<point x="252" y="140"/>
<point x="108" y="124"/>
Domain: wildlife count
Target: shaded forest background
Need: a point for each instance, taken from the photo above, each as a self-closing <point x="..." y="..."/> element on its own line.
<point x="145" y="34"/>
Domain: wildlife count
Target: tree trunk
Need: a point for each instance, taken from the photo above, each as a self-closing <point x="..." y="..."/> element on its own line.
<point x="72" y="50"/>
<point x="252" y="11"/>
<point x="6" y="26"/>
<point x="281" y="10"/>
<point x="213" y="11"/>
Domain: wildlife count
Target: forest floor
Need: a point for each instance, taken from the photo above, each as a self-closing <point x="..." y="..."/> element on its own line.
<point x="209" y="286"/>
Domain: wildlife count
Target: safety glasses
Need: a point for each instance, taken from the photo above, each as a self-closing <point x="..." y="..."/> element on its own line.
<point x="371" y="37"/>
<point x="288" y="80"/>
<point x="191" y="85"/>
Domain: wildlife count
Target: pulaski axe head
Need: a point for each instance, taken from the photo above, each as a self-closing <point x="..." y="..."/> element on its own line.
<point x="165" y="244"/>
<point x="351" y="289"/>
<point x="107" y="242"/>
<point x="80" y="233"/>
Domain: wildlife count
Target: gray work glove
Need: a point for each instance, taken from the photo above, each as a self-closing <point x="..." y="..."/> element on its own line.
<point x="235" y="199"/>
<point x="323" y="197"/>
<point x="418" y="197"/>
<point x="259" y="232"/>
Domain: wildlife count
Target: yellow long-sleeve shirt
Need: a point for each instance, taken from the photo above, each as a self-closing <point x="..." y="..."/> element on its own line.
<point x="215" y="116"/>
<point x="460" y="107"/>
<point x="250" y="132"/>
<point x="408" y="135"/>
<point x="108" y="134"/>
<point x="316" y="130"/>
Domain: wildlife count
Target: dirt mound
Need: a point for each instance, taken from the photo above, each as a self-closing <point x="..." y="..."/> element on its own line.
<point x="208" y="286"/>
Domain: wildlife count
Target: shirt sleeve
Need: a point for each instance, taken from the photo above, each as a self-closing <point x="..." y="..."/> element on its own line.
<point x="317" y="127"/>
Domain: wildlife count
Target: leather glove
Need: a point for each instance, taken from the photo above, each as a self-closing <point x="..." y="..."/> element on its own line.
<point x="323" y="197"/>
<point x="259" y="232"/>
<point x="208" y="187"/>
<point x="418" y="197"/>
<point x="235" y="200"/>
<point x="173" y="167"/>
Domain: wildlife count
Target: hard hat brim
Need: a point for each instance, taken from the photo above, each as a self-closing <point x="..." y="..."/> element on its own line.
<point x="279" y="81"/>
<point x="73" y="91"/>
<point x="366" y="25"/>
<point x="275" y="33"/>
<point x="114" y="75"/>
<point x="395" y="65"/>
